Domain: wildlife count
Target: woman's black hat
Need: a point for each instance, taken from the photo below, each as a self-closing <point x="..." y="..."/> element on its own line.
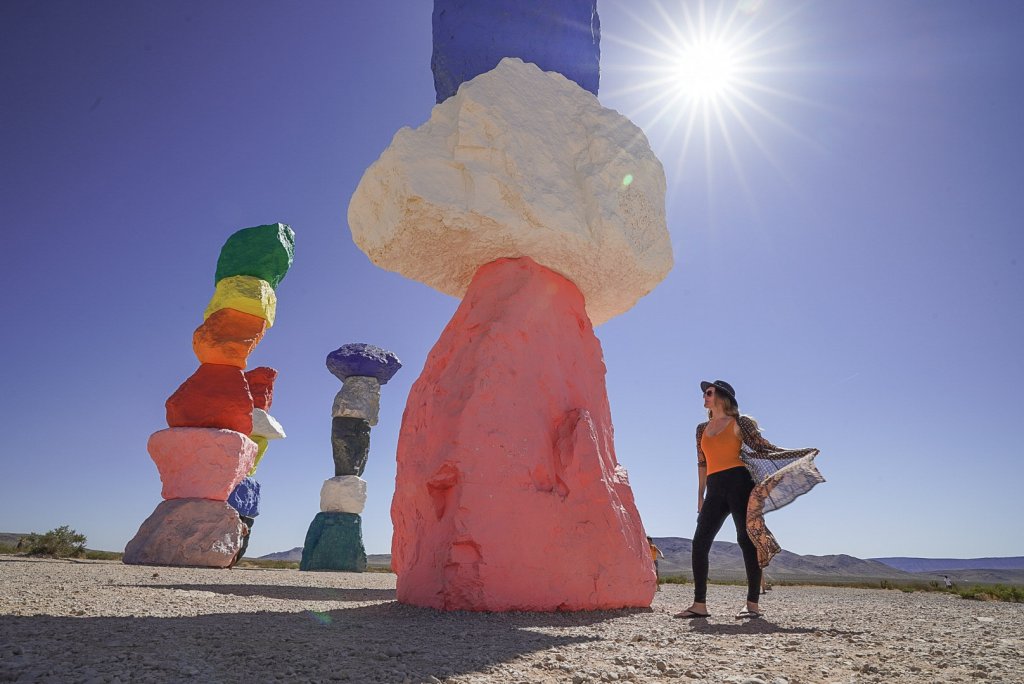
<point x="719" y="384"/>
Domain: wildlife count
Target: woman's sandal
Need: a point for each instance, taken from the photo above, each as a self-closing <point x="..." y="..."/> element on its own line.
<point x="691" y="615"/>
<point x="748" y="615"/>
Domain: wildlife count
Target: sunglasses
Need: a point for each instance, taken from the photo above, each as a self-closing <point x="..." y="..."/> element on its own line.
<point x="709" y="392"/>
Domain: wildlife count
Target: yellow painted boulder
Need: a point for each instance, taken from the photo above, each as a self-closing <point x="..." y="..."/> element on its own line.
<point x="261" y="443"/>
<point x="247" y="294"/>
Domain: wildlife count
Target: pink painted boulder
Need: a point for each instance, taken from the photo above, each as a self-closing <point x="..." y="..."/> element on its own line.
<point x="508" y="495"/>
<point x="189" y="532"/>
<point x="201" y="463"/>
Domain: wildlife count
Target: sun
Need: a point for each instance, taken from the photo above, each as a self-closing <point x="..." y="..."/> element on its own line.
<point x="701" y="76"/>
<point x="706" y="69"/>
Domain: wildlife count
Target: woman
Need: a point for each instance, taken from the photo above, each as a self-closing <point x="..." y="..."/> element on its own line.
<point x="742" y="474"/>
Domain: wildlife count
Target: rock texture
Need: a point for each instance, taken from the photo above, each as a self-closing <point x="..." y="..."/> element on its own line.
<point x="334" y="541"/>
<point x="344" y="494"/>
<point x="215" y="396"/>
<point x="246" y="294"/>
<point x="261" y="386"/>
<point x="264" y="252"/>
<point x="193" y="532"/>
<point x="359" y="398"/>
<point x="350" y="440"/>
<point x="201" y="463"/>
<point x="364" y="360"/>
<point x="471" y="37"/>
<point x="245" y="498"/>
<point x="520" y="162"/>
<point x="508" y="495"/>
<point x="228" y="337"/>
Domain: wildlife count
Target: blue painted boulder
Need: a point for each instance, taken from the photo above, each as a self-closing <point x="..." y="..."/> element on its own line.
<point x="245" y="498"/>
<point x="334" y="541"/>
<point x="363" y="360"/>
<point x="471" y="37"/>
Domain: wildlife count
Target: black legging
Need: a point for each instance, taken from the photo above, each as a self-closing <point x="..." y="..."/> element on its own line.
<point x="727" y="492"/>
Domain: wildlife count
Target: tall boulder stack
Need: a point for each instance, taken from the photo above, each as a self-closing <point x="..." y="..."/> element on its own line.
<point x="545" y="212"/>
<point x="218" y="427"/>
<point x="334" y="540"/>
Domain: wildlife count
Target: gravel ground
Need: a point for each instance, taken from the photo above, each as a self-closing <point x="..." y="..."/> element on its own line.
<point x="96" y="621"/>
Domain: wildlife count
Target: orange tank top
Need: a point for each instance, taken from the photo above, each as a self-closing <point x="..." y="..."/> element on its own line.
<point x="722" y="451"/>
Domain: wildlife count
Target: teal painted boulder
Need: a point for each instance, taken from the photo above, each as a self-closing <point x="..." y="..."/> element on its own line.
<point x="334" y="542"/>
<point x="264" y="252"/>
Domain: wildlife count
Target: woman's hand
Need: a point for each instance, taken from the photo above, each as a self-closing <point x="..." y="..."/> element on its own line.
<point x="700" y="504"/>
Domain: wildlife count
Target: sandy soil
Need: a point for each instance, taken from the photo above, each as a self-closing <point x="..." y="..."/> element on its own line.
<point x="100" y="622"/>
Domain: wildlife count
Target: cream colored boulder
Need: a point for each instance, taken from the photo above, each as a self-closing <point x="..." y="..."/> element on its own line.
<point x="343" y="494"/>
<point x="520" y="162"/>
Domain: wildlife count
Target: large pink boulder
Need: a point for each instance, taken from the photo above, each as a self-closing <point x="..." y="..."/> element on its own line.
<point x="201" y="463"/>
<point x="508" y="495"/>
<point x="191" y="532"/>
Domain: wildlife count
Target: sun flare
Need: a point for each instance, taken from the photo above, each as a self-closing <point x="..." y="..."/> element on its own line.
<point x="707" y="76"/>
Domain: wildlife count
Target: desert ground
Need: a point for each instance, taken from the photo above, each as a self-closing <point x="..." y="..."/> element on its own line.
<point x="101" y="621"/>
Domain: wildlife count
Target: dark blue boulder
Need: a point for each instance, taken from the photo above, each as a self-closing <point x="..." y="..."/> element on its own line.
<point x="245" y="498"/>
<point x="363" y="360"/>
<point x="472" y="36"/>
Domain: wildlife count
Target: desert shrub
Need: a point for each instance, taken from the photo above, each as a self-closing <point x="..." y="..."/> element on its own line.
<point x="673" y="579"/>
<point x="62" y="542"/>
<point x="379" y="568"/>
<point x="267" y="563"/>
<point x="7" y="548"/>
<point x="103" y="555"/>
<point x="994" y="592"/>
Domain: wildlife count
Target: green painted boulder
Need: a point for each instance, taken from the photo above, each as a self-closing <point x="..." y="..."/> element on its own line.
<point x="334" y="542"/>
<point x="264" y="252"/>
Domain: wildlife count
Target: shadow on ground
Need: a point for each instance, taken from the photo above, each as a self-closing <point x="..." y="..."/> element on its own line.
<point x="759" y="626"/>
<point x="382" y="642"/>
<point x="285" y="591"/>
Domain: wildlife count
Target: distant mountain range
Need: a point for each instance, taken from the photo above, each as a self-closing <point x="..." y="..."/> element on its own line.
<point x="937" y="564"/>
<point x="295" y="555"/>
<point x="727" y="563"/>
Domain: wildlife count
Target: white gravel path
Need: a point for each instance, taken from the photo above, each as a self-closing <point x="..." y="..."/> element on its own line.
<point x="82" y="621"/>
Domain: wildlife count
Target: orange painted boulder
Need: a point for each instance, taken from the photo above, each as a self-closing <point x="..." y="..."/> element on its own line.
<point x="508" y="495"/>
<point x="227" y="337"/>
<point x="201" y="463"/>
<point x="215" y="396"/>
<point x="261" y="386"/>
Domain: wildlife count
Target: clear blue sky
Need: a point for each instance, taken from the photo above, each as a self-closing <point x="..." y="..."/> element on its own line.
<point x="852" y="265"/>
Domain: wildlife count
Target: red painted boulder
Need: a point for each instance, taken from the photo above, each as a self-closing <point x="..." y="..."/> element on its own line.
<point x="508" y="495"/>
<point x="261" y="386"/>
<point x="215" y="396"/>
<point x="201" y="463"/>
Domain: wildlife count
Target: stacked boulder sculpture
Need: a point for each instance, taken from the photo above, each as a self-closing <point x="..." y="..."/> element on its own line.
<point x="544" y="211"/>
<point x="334" y="540"/>
<point x="218" y="427"/>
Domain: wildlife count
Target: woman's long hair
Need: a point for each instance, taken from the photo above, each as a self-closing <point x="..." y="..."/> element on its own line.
<point x="731" y="407"/>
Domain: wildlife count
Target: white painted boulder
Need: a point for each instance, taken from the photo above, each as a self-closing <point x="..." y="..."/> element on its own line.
<point x="266" y="426"/>
<point x="359" y="398"/>
<point x="343" y="494"/>
<point x="520" y="162"/>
